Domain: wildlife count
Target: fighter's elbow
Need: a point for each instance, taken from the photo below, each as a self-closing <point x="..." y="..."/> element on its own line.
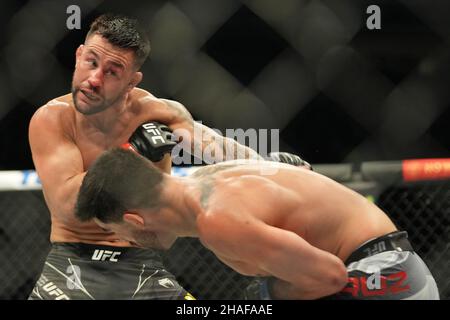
<point x="327" y="279"/>
<point x="336" y="278"/>
<point x="329" y="282"/>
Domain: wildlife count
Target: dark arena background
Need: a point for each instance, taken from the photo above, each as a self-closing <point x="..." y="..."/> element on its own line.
<point x="368" y="107"/>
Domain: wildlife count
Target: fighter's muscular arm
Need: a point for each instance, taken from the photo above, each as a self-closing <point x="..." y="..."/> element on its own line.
<point x="200" y="137"/>
<point x="302" y="271"/>
<point x="57" y="160"/>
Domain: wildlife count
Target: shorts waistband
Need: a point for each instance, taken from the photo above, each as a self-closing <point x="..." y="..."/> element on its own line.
<point x="394" y="241"/>
<point x="104" y="253"/>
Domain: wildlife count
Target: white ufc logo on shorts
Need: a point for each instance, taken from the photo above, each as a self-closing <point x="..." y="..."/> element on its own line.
<point x="102" y="255"/>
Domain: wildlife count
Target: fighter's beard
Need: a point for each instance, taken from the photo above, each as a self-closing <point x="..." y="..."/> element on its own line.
<point x="90" y="110"/>
<point x="93" y="109"/>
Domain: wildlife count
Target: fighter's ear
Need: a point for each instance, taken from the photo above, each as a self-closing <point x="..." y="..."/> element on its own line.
<point x="135" y="80"/>
<point x="134" y="219"/>
<point x="78" y="53"/>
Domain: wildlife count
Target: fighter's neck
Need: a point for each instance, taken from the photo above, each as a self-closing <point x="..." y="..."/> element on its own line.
<point x="185" y="201"/>
<point x="108" y="121"/>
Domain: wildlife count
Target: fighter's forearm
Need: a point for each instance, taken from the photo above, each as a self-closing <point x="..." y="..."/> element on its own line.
<point x="214" y="148"/>
<point x="282" y="290"/>
<point x="206" y="143"/>
<point x="233" y="150"/>
<point x="309" y="287"/>
<point x="224" y="149"/>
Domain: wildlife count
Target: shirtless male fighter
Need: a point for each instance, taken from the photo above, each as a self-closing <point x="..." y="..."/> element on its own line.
<point x="309" y="236"/>
<point x="105" y="109"/>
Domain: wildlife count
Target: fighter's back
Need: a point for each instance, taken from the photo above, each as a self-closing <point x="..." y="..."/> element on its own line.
<point x="325" y="213"/>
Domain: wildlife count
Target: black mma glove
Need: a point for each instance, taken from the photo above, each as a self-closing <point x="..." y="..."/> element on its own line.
<point x="289" y="158"/>
<point x="152" y="140"/>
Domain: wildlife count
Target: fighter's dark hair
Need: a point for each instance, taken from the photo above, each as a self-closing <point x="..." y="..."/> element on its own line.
<point x="123" y="32"/>
<point x="117" y="181"/>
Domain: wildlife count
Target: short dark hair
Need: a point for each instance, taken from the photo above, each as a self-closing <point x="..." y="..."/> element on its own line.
<point x="117" y="181"/>
<point x="123" y="32"/>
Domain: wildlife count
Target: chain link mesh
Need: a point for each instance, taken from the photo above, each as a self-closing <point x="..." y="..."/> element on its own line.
<point x="424" y="211"/>
<point x="24" y="234"/>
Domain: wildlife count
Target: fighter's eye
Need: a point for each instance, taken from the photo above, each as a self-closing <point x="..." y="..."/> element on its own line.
<point x="91" y="62"/>
<point x="111" y="72"/>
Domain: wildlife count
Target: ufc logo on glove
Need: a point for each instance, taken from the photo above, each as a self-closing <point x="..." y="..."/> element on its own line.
<point x="152" y="129"/>
<point x="151" y="140"/>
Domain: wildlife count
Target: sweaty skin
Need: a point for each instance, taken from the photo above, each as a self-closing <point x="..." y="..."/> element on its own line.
<point x="64" y="144"/>
<point x="296" y="225"/>
<point x="68" y="133"/>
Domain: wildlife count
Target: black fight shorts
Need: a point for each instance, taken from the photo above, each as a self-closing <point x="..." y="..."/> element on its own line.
<point x="86" y="271"/>
<point x="387" y="268"/>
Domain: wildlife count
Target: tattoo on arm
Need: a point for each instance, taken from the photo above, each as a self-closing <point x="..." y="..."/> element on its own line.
<point x="219" y="148"/>
<point x="222" y="148"/>
<point x="206" y="189"/>
<point x="234" y="150"/>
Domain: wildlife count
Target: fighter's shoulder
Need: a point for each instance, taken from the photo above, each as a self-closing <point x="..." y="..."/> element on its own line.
<point x="224" y="228"/>
<point x="148" y="102"/>
<point x="215" y="226"/>
<point x="54" y="113"/>
<point x="145" y="101"/>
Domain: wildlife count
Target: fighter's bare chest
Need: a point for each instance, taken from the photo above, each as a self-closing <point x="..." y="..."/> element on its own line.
<point x="92" y="142"/>
<point x="92" y="148"/>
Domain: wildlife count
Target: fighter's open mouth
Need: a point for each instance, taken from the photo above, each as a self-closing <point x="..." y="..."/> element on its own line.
<point x="89" y="96"/>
